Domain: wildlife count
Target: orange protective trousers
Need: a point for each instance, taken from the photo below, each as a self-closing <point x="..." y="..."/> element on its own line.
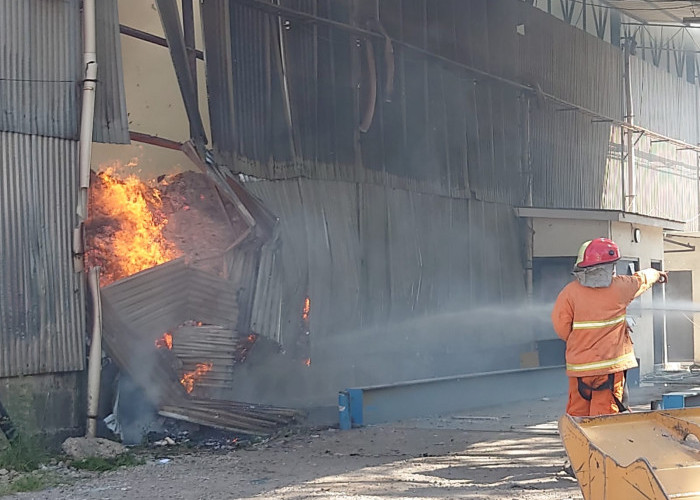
<point x="601" y="402"/>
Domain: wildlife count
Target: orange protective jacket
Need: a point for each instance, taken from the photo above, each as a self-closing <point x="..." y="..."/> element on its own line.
<point x="592" y="322"/>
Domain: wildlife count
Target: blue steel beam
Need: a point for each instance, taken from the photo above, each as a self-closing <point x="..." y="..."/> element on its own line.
<point x="444" y="395"/>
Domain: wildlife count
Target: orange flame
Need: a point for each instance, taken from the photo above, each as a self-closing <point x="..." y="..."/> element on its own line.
<point x="307" y="361"/>
<point x="307" y="309"/>
<point x="251" y="337"/>
<point x="139" y="243"/>
<point x="188" y="379"/>
<point x="165" y="341"/>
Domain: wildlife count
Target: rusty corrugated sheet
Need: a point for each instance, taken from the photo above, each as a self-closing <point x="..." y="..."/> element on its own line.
<point x="42" y="326"/>
<point x="111" y="122"/>
<point x="40" y="69"/>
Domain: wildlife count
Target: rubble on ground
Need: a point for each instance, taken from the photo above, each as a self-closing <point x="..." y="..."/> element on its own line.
<point x="81" y="448"/>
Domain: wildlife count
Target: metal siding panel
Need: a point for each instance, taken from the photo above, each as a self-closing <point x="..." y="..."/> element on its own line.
<point x="217" y="44"/>
<point x="41" y="299"/>
<point x="372" y="255"/>
<point x="546" y="57"/>
<point x="111" y="123"/>
<point x="664" y="103"/>
<point x="40" y="67"/>
<point x="570" y="159"/>
<point x="667" y="182"/>
<point x="280" y="302"/>
<point x="575" y="160"/>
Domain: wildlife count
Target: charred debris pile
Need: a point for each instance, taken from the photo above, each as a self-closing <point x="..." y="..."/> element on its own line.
<point x="170" y="307"/>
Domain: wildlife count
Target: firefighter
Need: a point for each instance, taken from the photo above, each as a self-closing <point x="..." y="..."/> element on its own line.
<point x="590" y="316"/>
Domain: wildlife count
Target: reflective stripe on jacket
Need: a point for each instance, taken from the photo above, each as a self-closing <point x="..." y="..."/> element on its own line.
<point x="592" y="322"/>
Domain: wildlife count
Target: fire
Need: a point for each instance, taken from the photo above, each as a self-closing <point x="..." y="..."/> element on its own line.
<point x="166" y="340"/>
<point x="188" y="379"/>
<point x="139" y="242"/>
<point x="251" y="337"/>
<point x="307" y="361"/>
<point x="307" y="309"/>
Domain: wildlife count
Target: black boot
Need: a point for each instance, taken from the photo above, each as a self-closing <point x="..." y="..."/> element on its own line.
<point x="569" y="469"/>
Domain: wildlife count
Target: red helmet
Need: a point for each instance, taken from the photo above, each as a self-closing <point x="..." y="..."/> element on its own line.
<point x="598" y="251"/>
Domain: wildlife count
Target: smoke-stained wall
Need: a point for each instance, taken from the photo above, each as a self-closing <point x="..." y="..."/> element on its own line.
<point x="402" y="285"/>
<point x="394" y="170"/>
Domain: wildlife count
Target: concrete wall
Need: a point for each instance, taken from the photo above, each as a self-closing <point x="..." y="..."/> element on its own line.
<point x="52" y="405"/>
<point x="563" y="237"/>
<point x="153" y="100"/>
<point x="649" y="249"/>
<point x="687" y="261"/>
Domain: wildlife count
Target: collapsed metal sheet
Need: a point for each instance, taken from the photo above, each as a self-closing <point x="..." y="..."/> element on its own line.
<point x="140" y="308"/>
<point x="137" y="311"/>
<point x="170" y="18"/>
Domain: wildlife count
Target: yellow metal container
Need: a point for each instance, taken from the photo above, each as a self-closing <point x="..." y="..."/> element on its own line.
<point x="644" y="455"/>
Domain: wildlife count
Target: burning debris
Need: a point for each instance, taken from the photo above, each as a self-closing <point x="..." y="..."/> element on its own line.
<point x="306" y="310"/>
<point x="165" y="248"/>
<point x="222" y="348"/>
<point x="126" y="227"/>
<point x="189" y="378"/>
<point x="165" y="341"/>
<point x="135" y="224"/>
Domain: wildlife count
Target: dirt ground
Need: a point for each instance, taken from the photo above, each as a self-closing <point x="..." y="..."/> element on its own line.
<point x="494" y="453"/>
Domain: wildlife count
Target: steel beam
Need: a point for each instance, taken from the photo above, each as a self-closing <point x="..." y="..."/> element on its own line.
<point x="439" y="396"/>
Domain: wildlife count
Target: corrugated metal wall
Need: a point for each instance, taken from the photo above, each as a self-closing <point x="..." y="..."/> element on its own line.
<point x="297" y="103"/>
<point x="41" y="298"/>
<point x="42" y="320"/>
<point x="293" y="107"/>
<point x="111" y="122"/>
<point x="665" y="103"/>
<point x="41" y="70"/>
<point x="368" y="255"/>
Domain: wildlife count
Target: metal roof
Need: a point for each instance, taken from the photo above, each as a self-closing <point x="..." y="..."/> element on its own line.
<point x="604" y="215"/>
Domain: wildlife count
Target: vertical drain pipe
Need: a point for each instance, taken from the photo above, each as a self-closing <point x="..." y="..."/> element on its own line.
<point x="95" y="363"/>
<point x="88" y="111"/>
<point x="86" y="125"/>
<point x="631" y="194"/>
<point x="527" y="167"/>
